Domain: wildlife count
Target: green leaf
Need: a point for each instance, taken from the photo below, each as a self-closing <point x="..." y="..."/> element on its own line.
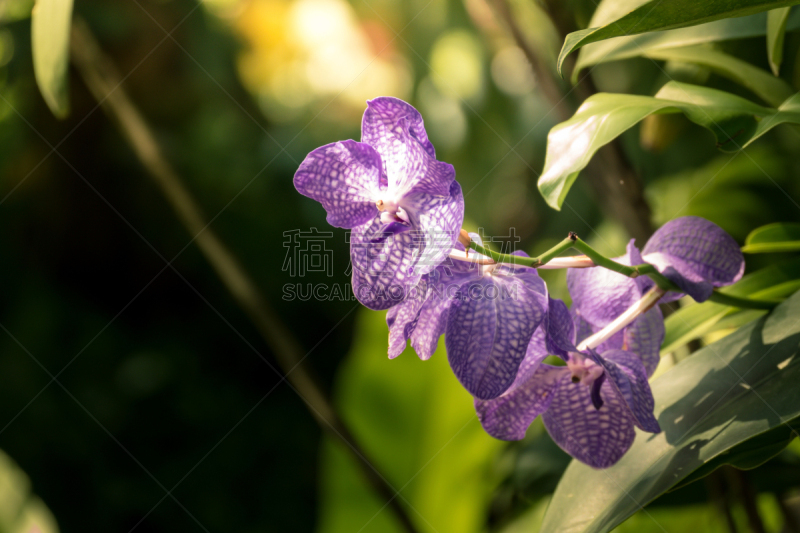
<point x="777" y="237"/>
<point x="12" y="10"/>
<point x="737" y="388"/>
<point x="658" y="15"/>
<point x="695" y="320"/>
<point x="638" y="45"/>
<point x="418" y="426"/>
<point x="50" y="30"/>
<point x="735" y="122"/>
<point x="776" y="30"/>
<point x="21" y="511"/>
<point x="750" y="454"/>
<point x="772" y="90"/>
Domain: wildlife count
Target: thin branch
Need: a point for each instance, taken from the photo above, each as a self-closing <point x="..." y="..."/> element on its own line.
<point x="104" y="82"/>
<point x="609" y="172"/>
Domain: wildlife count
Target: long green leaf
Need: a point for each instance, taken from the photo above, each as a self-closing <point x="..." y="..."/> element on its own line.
<point x="735" y="122"/>
<point x="658" y="15"/>
<point x="418" y="424"/>
<point x="20" y="510"/>
<point x="774" y="91"/>
<point x="777" y="237"/>
<point x="737" y="388"/>
<point x="695" y="320"/>
<point x="639" y="45"/>
<point x="750" y="454"/>
<point x="50" y="28"/>
<point x="776" y="30"/>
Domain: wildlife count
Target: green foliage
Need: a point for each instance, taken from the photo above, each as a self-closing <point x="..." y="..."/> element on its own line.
<point x="50" y="34"/>
<point x="777" y="237"/>
<point x="725" y="394"/>
<point x="750" y="454"/>
<point x="776" y="31"/>
<point x="695" y="320"/>
<point x="419" y="426"/>
<point x="774" y="91"/>
<point x="21" y="511"/>
<point x="735" y="122"/>
<point x="638" y="45"/>
<point x="656" y="15"/>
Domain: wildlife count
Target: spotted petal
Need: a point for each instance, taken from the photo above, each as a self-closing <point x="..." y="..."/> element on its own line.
<point x="560" y="329"/>
<point x="488" y="330"/>
<point x="424" y="319"/>
<point x="345" y="178"/>
<point x="696" y="255"/>
<point x="395" y="129"/>
<point x="597" y="437"/>
<point x="627" y="375"/>
<point x="388" y="260"/>
<point x="383" y="264"/>
<point x="508" y="416"/>
<point x="402" y="318"/>
<point x="600" y="295"/>
<point x="644" y="337"/>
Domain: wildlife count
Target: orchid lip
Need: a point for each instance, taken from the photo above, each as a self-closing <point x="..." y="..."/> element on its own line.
<point x="583" y="370"/>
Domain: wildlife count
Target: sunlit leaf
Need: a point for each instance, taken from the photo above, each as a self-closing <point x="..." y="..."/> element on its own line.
<point x="778" y="237"/>
<point x="657" y="15"/>
<point x="419" y="426"/>
<point x="725" y="394"/>
<point x="50" y="30"/>
<point x="695" y="320"/>
<point x="21" y="511"/>
<point x="772" y="90"/>
<point x="776" y="30"/>
<point x="638" y="45"/>
<point x="735" y="122"/>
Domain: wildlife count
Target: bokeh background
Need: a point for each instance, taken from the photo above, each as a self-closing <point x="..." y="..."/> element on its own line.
<point x="166" y="412"/>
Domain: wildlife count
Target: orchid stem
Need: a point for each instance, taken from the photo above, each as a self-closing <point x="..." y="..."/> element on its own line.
<point x="743" y="303"/>
<point x="598" y="259"/>
<point x="533" y="262"/>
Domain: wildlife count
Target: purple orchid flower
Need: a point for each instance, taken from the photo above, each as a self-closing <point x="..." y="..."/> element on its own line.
<point x="488" y="314"/>
<point x="404" y="207"/>
<point x="696" y="255"/>
<point x="590" y="406"/>
<point x="601" y="295"/>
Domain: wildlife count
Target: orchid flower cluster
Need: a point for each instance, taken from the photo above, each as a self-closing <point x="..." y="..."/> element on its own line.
<point x="411" y="257"/>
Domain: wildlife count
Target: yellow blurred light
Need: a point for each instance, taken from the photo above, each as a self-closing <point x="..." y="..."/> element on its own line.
<point x="305" y="50"/>
<point x="457" y="65"/>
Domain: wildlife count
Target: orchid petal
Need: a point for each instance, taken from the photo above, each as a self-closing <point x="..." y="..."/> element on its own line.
<point x="432" y="321"/>
<point x="402" y="318"/>
<point x="644" y="337"/>
<point x="489" y="327"/>
<point x="345" y="178"/>
<point x="395" y="129"/>
<point x="508" y="416"/>
<point x="597" y="437"/>
<point x="388" y="263"/>
<point x="383" y="265"/>
<point x="696" y="255"/>
<point x="560" y="329"/>
<point x="627" y="374"/>
<point x="600" y="295"/>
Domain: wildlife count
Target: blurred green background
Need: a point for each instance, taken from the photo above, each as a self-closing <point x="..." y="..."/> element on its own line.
<point x="162" y="382"/>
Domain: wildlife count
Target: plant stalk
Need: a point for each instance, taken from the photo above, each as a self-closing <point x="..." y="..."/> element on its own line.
<point x="103" y="81"/>
<point x="598" y="259"/>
